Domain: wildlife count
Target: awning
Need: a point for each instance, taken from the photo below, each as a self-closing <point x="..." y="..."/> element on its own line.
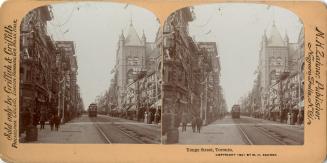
<point x="41" y="100"/>
<point x="132" y="108"/>
<point x="157" y="103"/>
<point x="275" y="109"/>
<point x="125" y="108"/>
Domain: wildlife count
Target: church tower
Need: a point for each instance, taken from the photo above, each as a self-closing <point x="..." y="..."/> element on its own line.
<point x="277" y="55"/>
<point x="143" y="38"/>
<point x="273" y="59"/>
<point x="121" y="39"/>
<point x="130" y="55"/>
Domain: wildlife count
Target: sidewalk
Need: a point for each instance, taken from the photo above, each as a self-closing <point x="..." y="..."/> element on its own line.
<point x="212" y="134"/>
<point x="70" y="132"/>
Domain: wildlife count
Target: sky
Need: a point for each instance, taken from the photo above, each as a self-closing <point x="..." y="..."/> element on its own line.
<point x="237" y="29"/>
<point x="95" y="28"/>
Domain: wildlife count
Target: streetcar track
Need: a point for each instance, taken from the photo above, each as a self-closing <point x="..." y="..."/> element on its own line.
<point x="244" y="135"/>
<point x="271" y="133"/>
<point x="273" y="124"/>
<point x="263" y="131"/>
<point x="122" y="131"/>
<point x="107" y="139"/>
<point x="103" y="134"/>
<point x="288" y="141"/>
<point x="125" y="133"/>
<point x="278" y="133"/>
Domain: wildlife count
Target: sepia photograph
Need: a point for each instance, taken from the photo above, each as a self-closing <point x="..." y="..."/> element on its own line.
<point x="136" y="81"/>
<point x="90" y="73"/>
<point x="233" y="75"/>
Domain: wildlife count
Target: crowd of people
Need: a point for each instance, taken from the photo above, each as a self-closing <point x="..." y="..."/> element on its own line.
<point x="41" y="119"/>
<point x="53" y="119"/>
<point x="196" y="123"/>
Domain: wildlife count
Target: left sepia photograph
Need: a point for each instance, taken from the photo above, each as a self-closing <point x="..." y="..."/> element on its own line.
<point x="90" y="74"/>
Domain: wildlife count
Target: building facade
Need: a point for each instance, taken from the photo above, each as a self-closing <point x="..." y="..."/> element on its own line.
<point x="190" y="76"/>
<point x="47" y="75"/>
<point x="68" y="88"/>
<point x="135" y="91"/>
<point x="142" y="100"/>
<point x="37" y="55"/>
<point x="277" y="93"/>
<point x="212" y="97"/>
<point x="134" y="56"/>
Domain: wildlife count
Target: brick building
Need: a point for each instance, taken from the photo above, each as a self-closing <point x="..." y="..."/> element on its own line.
<point x="190" y="76"/>
<point x="278" y="90"/>
<point x="47" y="74"/>
<point x="134" y="56"/>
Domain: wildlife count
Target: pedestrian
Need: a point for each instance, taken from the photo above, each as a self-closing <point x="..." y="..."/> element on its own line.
<point x="198" y="124"/>
<point x="145" y="117"/>
<point x="51" y="121"/>
<point x="156" y="117"/>
<point x="42" y="121"/>
<point x="301" y="117"/>
<point x="56" y="121"/>
<point x="184" y="121"/>
<point x="193" y="123"/>
<point x="149" y="118"/>
<point x="36" y="118"/>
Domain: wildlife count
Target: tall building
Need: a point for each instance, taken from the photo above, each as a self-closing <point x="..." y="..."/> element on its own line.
<point x="37" y="55"/>
<point x="190" y="76"/>
<point x="68" y="93"/>
<point x="134" y="55"/>
<point x="278" y="86"/>
<point x="178" y="93"/>
<point x="213" y="92"/>
<point x="48" y="72"/>
<point x="277" y="57"/>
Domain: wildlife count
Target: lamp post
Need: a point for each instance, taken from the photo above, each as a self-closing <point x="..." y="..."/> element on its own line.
<point x="281" y="94"/>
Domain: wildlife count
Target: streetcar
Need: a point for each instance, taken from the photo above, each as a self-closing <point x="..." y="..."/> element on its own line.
<point x="93" y="110"/>
<point x="236" y="111"/>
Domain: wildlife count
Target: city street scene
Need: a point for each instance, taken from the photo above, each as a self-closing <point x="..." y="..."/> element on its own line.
<point x="233" y="74"/>
<point x="90" y="73"/>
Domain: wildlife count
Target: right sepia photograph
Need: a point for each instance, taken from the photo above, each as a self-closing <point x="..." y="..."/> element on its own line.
<point x="233" y="75"/>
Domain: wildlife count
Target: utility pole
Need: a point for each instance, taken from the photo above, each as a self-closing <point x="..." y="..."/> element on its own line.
<point x="63" y="99"/>
<point x="206" y="100"/>
<point x="281" y="95"/>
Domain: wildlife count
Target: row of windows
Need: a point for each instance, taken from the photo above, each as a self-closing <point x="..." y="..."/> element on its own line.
<point x="275" y="61"/>
<point x="133" y="61"/>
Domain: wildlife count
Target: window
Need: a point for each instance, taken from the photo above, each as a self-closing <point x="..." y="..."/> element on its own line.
<point x="272" y="61"/>
<point x="136" y="70"/>
<point x="180" y="77"/>
<point x="273" y="77"/>
<point x="279" y="61"/>
<point x="130" y="76"/>
<point x="151" y="59"/>
<point x="136" y="61"/>
<point x="167" y="27"/>
<point x="129" y="60"/>
<point x="171" y="76"/>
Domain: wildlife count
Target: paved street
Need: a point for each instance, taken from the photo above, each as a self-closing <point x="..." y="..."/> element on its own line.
<point x="99" y="130"/>
<point x="246" y="130"/>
